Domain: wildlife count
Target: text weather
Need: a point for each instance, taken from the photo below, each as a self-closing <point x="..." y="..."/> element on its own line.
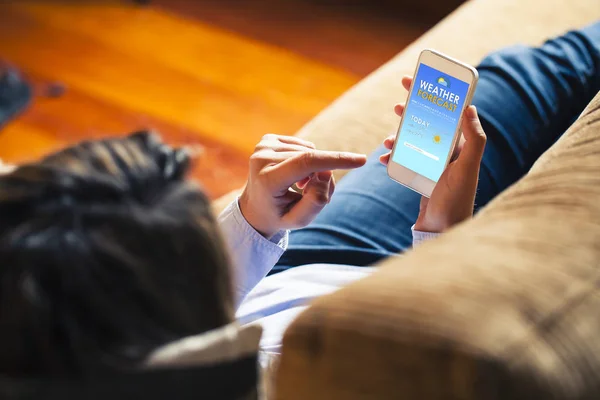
<point x="439" y="96"/>
<point x="430" y="121"/>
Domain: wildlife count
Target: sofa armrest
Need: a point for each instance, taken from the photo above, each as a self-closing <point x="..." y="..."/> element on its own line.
<point x="503" y="306"/>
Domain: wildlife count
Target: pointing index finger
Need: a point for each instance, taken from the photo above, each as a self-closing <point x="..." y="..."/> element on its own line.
<point x="305" y="163"/>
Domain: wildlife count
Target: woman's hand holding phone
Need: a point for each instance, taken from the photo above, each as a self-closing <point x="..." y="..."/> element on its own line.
<point x="453" y="198"/>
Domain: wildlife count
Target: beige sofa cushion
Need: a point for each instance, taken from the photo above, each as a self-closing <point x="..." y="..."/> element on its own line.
<point x="504" y="306"/>
<point x="363" y="116"/>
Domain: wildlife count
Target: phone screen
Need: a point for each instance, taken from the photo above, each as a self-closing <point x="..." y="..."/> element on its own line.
<point x="430" y="121"/>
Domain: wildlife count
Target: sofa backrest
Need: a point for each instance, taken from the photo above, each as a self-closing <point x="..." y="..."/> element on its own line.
<point x="362" y="117"/>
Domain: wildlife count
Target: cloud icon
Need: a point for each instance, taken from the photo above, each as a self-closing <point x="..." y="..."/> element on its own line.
<point x="443" y="82"/>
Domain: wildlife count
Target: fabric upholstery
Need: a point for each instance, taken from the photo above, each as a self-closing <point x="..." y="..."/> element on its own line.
<point x="361" y="118"/>
<point x="503" y="306"/>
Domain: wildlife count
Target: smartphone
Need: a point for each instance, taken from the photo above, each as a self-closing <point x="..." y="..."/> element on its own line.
<point x="430" y="127"/>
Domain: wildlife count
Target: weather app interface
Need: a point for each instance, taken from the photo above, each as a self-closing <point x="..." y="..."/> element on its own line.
<point x="430" y="120"/>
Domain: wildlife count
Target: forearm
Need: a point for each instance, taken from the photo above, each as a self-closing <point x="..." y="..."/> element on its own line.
<point x="253" y="255"/>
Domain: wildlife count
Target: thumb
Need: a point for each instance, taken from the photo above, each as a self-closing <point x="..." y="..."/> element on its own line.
<point x="315" y="196"/>
<point x="472" y="151"/>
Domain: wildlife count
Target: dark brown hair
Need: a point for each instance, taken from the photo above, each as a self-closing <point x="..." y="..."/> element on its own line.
<point x="106" y="252"/>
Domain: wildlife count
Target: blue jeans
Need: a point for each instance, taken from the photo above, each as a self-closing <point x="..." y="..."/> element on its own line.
<point x="526" y="98"/>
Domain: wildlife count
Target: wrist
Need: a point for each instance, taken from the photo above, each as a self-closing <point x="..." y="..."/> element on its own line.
<point x="254" y="219"/>
<point x="439" y="225"/>
<point x="422" y="225"/>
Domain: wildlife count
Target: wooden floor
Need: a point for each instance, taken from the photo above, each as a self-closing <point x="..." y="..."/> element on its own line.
<point x="215" y="74"/>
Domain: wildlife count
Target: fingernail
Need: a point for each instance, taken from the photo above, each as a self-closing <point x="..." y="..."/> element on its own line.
<point x="472" y="112"/>
<point x="353" y="155"/>
<point x="323" y="176"/>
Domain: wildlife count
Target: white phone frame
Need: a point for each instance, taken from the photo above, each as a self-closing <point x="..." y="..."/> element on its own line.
<point x="448" y="66"/>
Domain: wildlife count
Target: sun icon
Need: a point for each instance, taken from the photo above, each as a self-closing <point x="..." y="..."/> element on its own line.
<point x="437" y="139"/>
<point x="443" y="81"/>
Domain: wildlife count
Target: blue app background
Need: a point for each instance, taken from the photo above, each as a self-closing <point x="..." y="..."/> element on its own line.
<point x="428" y="129"/>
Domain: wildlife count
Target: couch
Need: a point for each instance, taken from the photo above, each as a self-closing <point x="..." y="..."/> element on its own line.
<point x="504" y="306"/>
